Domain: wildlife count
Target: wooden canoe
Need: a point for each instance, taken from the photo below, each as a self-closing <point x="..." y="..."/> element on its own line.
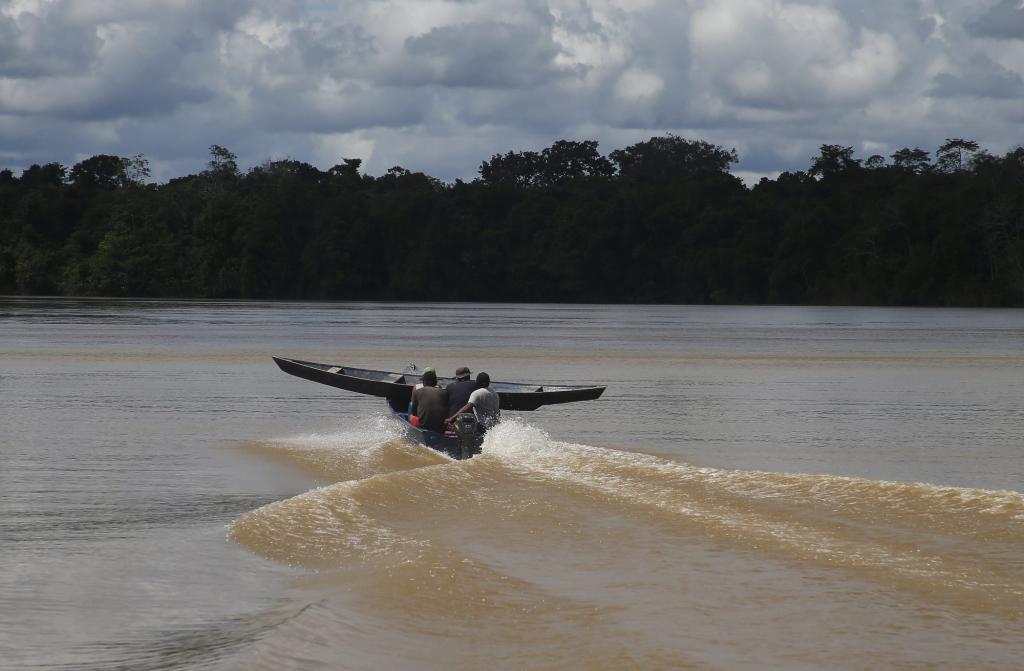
<point x="397" y="387"/>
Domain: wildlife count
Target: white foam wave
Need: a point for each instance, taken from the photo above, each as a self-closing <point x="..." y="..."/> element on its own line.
<point x="363" y="447"/>
<point x="521" y="445"/>
<point x="364" y="437"/>
<point x="810" y="516"/>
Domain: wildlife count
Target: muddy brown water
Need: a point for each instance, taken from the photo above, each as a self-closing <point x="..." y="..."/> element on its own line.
<point x="773" y="487"/>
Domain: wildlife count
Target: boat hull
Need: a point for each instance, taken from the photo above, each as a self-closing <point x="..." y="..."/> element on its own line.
<point x="397" y="387"/>
<point x="442" y="442"/>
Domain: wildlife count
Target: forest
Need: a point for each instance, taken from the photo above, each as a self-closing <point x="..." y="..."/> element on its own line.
<point x="661" y="221"/>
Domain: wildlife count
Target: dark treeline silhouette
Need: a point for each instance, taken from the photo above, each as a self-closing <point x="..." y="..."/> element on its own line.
<point x="660" y="221"/>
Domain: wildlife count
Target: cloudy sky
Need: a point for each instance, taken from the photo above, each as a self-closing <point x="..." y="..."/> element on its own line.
<point x="439" y="85"/>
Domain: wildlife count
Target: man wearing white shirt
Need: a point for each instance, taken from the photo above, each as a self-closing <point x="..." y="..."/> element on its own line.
<point x="484" y="403"/>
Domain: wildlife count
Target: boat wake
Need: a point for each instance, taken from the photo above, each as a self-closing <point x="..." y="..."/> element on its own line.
<point x="935" y="539"/>
<point x="371" y="446"/>
<point x="400" y="503"/>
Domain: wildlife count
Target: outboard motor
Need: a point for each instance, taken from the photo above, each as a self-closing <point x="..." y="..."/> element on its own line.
<point x="468" y="433"/>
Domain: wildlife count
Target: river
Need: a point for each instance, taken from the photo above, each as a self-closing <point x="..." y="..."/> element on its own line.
<point x="759" y="487"/>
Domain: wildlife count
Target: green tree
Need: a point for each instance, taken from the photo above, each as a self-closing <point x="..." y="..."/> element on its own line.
<point x="51" y="174"/>
<point x="955" y="154"/>
<point x="662" y="158"/>
<point x="833" y="160"/>
<point x="101" y="171"/>
<point x="565" y="161"/>
<point x="913" y="160"/>
<point x="659" y="221"/>
<point x="223" y="163"/>
<point x="517" y="169"/>
<point x="875" y="162"/>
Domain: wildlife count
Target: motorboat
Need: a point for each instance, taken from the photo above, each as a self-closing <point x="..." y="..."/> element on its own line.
<point x="464" y="440"/>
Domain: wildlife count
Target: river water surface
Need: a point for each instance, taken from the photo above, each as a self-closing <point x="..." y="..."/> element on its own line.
<point x="791" y="488"/>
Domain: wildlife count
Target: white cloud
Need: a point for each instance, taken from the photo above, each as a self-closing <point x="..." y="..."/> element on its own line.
<point x="788" y="55"/>
<point x="635" y="84"/>
<point x="330" y="148"/>
<point x="871" y="65"/>
<point x="439" y="85"/>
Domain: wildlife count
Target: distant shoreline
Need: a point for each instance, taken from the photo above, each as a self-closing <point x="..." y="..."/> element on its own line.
<point x="659" y="222"/>
<point x="388" y="301"/>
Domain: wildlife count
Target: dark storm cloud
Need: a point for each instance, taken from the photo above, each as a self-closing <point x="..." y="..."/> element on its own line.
<point x="333" y="48"/>
<point x="349" y="107"/>
<point x="35" y="46"/>
<point x="981" y="79"/>
<point x="1005" y="21"/>
<point x="439" y="85"/>
<point x="481" y="54"/>
<point x="106" y="70"/>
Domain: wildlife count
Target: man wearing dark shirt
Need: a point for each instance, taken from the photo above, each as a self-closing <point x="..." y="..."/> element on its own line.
<point x="430" y="404"/>
<point x="484" y="403"/>
<point x="459" y="391"/>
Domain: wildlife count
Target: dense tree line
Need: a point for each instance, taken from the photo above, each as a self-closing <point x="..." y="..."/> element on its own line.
<point x="659" y="221"/>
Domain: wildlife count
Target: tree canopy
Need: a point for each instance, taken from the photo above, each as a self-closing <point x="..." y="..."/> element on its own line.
<point x="662" y="220"/>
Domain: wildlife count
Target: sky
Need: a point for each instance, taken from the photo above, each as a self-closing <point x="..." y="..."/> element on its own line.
<point x="440" y="85"/>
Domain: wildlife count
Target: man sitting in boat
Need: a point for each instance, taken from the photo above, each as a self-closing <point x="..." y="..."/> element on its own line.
<point x="429" y="404"/>
<point x="483" y="403"/>
<point x="459" y="391"/>
<point x="419" y="385"/>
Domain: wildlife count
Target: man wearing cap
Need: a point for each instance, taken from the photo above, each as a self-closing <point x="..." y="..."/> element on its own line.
<point x="459" y="391"/>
